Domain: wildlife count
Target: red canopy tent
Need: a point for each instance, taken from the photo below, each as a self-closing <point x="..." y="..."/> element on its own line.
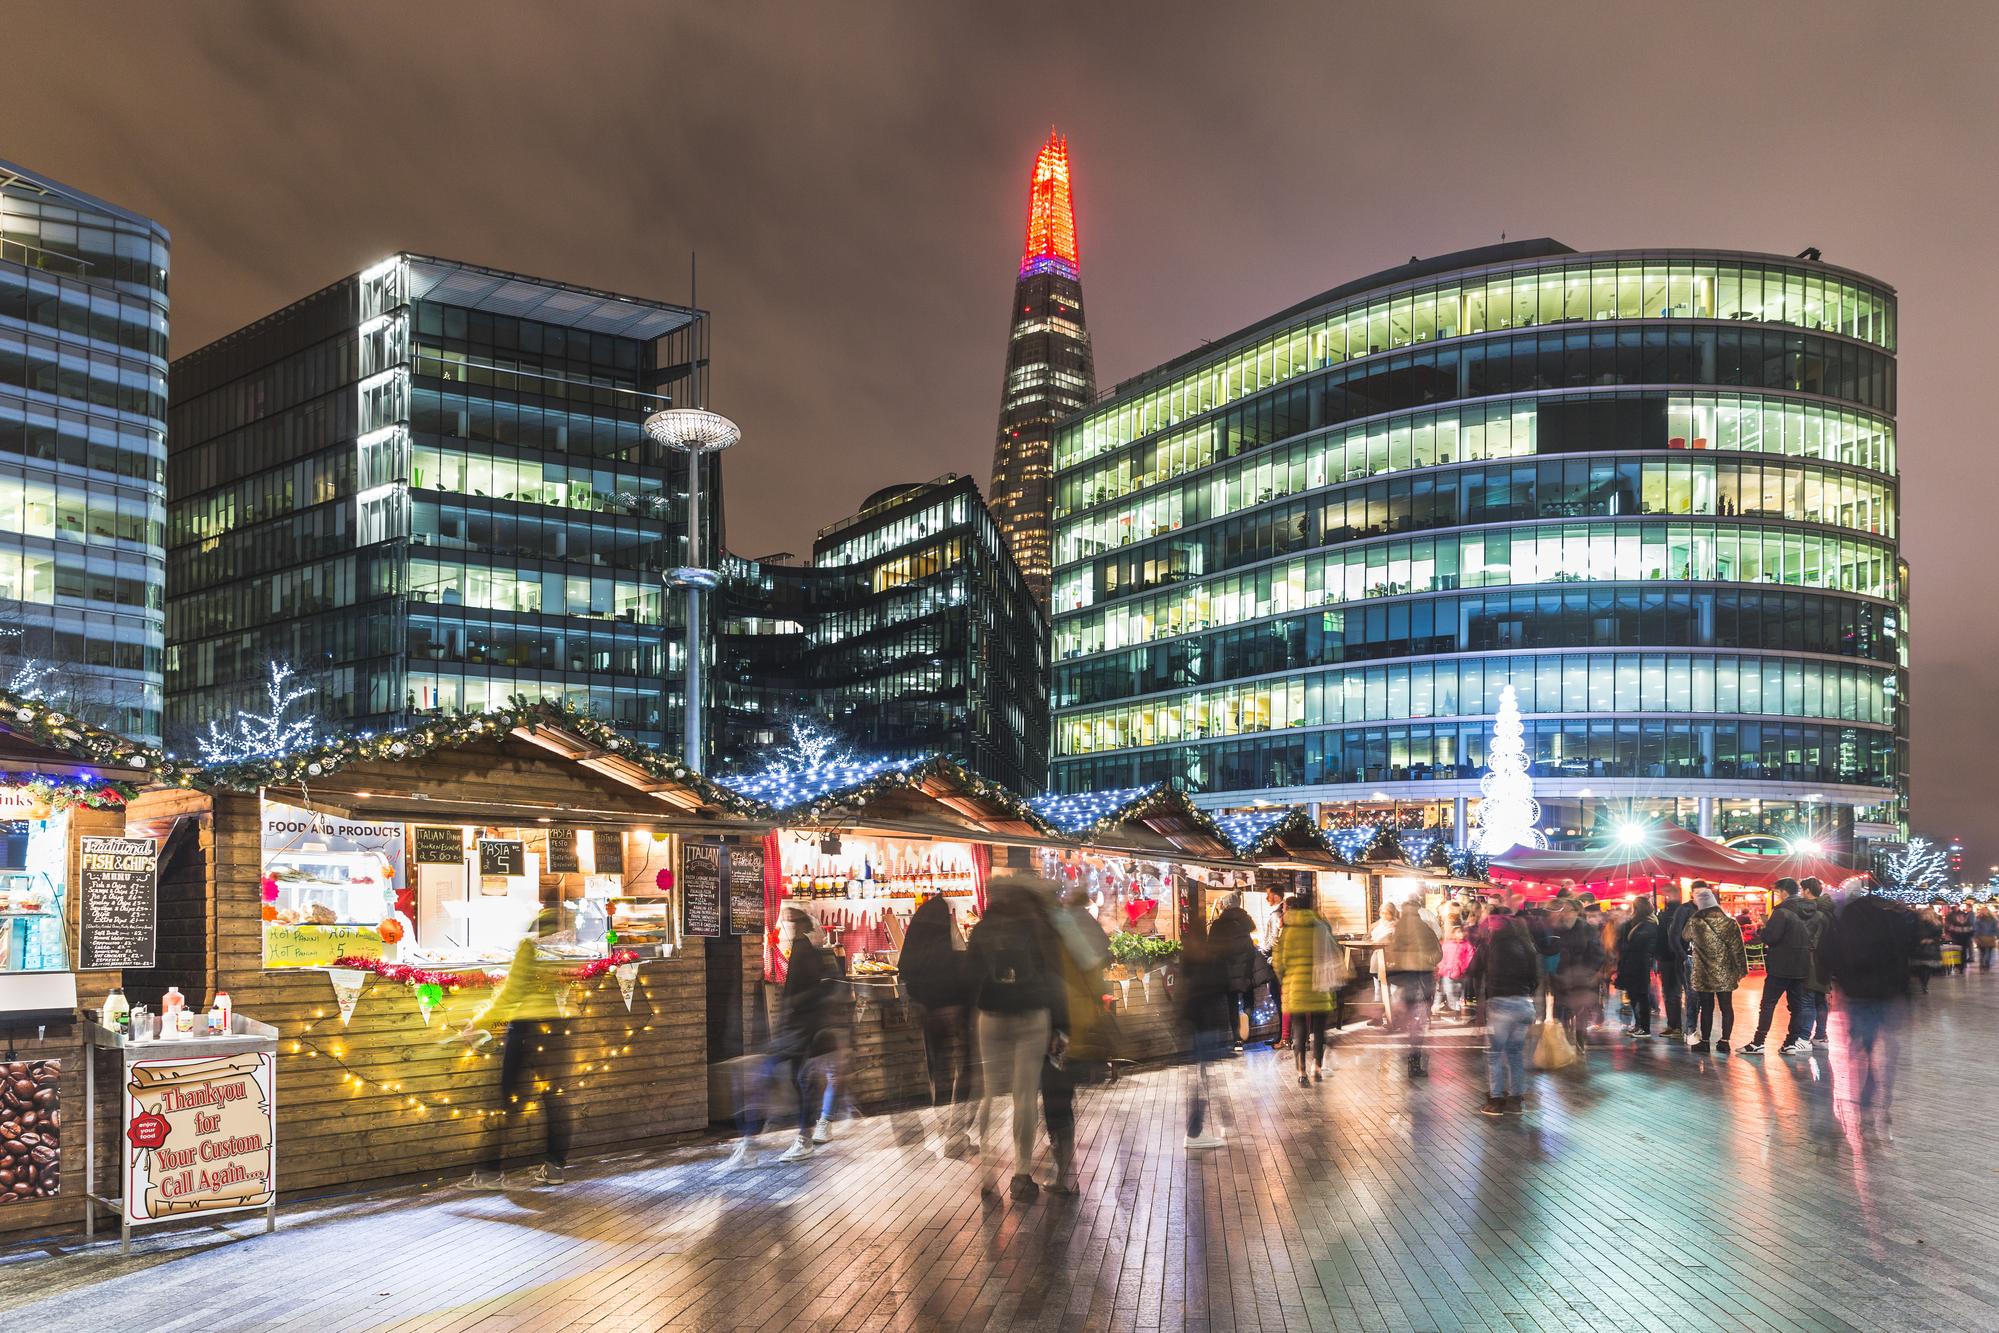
<point x="1667" y="853"/>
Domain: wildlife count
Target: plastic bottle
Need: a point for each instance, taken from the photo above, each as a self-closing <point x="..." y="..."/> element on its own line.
<point x="172" y="1005"/>
<point x="228" y="1009"/>
<point x="183" y="1023"/>
<point x="218" y="1022"/>
<point x="117" y="1014"/>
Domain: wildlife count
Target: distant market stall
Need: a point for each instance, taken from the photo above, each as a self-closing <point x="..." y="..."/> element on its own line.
<point x="1657" y="856"/>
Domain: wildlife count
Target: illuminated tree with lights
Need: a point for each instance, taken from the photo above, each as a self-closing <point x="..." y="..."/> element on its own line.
<point x="1922" y="865"/>
<point x="813" y="746"/>
<point x="270" y="736"/>
<point x="1508" y="813"/>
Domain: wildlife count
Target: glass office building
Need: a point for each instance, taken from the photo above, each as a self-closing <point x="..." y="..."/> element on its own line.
<point x="1655" y="491"/>
<point x="427" y="488"/>
<point x="83" y="404"/>
<point x="923" y="636"/>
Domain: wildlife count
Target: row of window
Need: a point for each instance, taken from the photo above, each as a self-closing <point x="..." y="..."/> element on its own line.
<point x="447" y="582"/>
<point x="1626" y="748"/>
<point x="912" y="527"/>
<point x="311" y="534"/>
<point x="531" y="479"/>
<point x="528" y="424"/>
<point x="1795" y="428"/>
<point x="39" y="365"/>
<point x="46" y="577"/>
<point x="634" y="707"/>
<point x="260" y="498"/>
<point x="1624" y="618"/>
<point x="240" y="656"/>
<point x="1565" y="683"/>
<point x="908" y="604"/>
<point x="264" y="392"/>
<point x="624" y="543"/>
<point x="83" y="311"/>
<point x="41" y="432"/>
<point x="619" y="647"/>
<point x="1592" y="487"/>
<point x="485" y="333"/>
<point x="35" y="504"/>
<point x="243" y="605"/>
<point x="1703" y="288"/>
<point x="1493" y="557"/>
<point x="104" y="248"/>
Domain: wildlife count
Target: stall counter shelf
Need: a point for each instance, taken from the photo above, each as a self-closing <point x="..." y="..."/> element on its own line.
<point x="246" y="1037"/>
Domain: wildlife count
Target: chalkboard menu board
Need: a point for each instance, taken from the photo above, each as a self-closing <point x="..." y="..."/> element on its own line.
<point x="609" y="845"/>
<point x="118" y="902"/>
<point x="440" y="846"/>
<point x="497" y="857"/>
<point x="562" y="858"/>
<point x="746" y="889"/>
<point x="700" y="889"/>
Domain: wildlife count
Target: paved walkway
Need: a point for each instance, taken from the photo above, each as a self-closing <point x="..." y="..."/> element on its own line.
<point x="1653" y="1190"/>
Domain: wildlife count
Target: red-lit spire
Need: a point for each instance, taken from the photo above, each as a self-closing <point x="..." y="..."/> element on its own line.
<point x="1051" y="218"/>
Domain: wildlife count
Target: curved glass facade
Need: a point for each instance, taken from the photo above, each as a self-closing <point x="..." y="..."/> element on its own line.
<point x="1351" y="481"/>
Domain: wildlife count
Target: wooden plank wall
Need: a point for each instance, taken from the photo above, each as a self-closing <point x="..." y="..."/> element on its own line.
<point x="381" y="1098"/>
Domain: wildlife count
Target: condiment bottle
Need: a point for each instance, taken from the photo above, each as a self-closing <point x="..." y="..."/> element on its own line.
<point x="170" y="1003"/>
<point x="183" y="1023"/>
<point x="228" y="1009"/>
<point x="117" y="1014"/>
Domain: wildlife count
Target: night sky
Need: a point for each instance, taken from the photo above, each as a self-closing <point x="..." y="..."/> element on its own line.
<point x="854" y="178"/>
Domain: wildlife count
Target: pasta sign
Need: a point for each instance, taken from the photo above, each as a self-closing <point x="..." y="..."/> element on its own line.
<point x="201" y="1136"/>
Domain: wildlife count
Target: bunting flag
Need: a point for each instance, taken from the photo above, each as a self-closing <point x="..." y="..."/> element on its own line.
<point x="628" y="977"/>
<point x="347" y="984"/>
<point x="428" y="997"/>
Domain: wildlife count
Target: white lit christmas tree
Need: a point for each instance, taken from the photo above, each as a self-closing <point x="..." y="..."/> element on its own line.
<point x="1509" y="813"/>
<point x="262" y="737"/>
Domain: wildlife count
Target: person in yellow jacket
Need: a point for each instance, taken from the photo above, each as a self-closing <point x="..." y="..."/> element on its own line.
<point x="1306" y="969"/>
<point x="525" y="1014"/>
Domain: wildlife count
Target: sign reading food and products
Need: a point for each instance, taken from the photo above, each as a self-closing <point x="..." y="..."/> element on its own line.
<point x="328" y="884"/>
<point x="746" y="889"/>
<point x="118" y="902"/>
<point x="31" y="1114"/>
<point x="200" y="1135"/>
<point x="701" y="888"/>
<point x="439" y="845"/>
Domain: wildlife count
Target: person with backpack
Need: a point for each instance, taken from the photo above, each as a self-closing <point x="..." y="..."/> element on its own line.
<point x="1720" y="962"/>
<point x="932" y="966"/>
<point x="1867" y="950"/>
<point x="1232" y="933"/>
<point x="1507" y="963"/>
<point x="809" y="980"/>
<point x="1306" y="958"/>
<point x="1787" y="962"/>
<point x="1413" y="953"/>
<point x="1023" y="1009"/>
<point x="1637" y="947"/>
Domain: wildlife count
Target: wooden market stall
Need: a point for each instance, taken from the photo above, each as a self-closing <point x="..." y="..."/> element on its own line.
<point x="71" y="934"/>
<point x="363" y="898"/>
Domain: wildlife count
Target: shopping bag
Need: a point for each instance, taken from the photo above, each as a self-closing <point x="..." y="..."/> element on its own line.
<point x="1554" y="1050"/>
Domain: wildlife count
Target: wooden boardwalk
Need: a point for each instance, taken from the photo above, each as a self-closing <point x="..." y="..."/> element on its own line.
<point x="1654" y="1190"/>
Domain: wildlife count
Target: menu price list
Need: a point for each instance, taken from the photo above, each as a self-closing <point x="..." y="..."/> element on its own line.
<point x="118" y="902"/>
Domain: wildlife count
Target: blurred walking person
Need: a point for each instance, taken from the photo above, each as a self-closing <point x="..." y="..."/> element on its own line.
<point x="1307" y="959"/>
<point x="1818" y="979"/>
<point x="1720" y="962"/>
<point x="808" y="982"/>
<point x="1637" y="949"/>
<point x="1926" y="947"/>
<point x="1576" y="948"/>
<point x="534" y="1048"/>
<point x="1507" y="964"/>
<point x="1232" y="934"/>
<point x="1457" y="962"/>
<point x="1958" y="928"/>
<point x="932" y="964"/>
<point x="1023" y="1008"/>
<point x="1083" y="950"/>
<point x="1868" y="951"/>
<point x="1672" y="962"/>
<point x="1199" y="992"/>
<point x="1413" y="953"/>
<point x="1787" y="963"/>
<point x="1985" y="934"/>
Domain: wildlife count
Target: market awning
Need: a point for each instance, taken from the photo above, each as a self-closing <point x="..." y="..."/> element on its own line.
<point x="932" y="797"/>
<point x="1662" y="852"/>
<point x="1285" y="836"/>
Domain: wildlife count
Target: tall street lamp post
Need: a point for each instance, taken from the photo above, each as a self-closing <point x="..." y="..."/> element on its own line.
<point x="694" y="431"/>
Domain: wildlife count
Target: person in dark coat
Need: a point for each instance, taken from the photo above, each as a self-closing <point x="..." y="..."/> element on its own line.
<point x="1818" y="981"/>
<point x="1958" y="926"/>
<point x="808" y="982"/>
<point x="1867" y="951"/>
<point x="1926" y="947"/>
<point x="932" y="965"/>
<point x="1199" y="989"/>
<point x="1673" y="962"/>
<point x="1637" y="950"/>
<point x="1578" y="948"/>
<point x="1232" y="935"/>
<point x="1787" y="963"/>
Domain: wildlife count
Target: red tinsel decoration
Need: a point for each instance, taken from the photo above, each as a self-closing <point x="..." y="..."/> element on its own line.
<point x="416" y="976"/>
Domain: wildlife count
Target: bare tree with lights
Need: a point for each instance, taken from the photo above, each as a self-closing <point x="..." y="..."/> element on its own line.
<point x="263" y="736"/>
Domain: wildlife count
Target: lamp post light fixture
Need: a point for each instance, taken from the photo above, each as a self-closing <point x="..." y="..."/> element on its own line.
<point x="693" y="431"/>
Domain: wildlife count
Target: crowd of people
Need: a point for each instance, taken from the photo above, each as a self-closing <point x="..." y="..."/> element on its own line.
<point x="1018" y="1015"/>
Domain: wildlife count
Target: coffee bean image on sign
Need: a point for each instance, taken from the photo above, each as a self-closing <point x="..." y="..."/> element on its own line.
<point x="30" y="1124"/>
<point x="118" y="905"/>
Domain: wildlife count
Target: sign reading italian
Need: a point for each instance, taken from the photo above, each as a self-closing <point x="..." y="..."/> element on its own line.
<point x="118" y="902"/>
<point x="440" y="846"/>
<point x="608" y="849"/>
<point x="700" y="888"/>
<point x="201" y="1135"/>
<point x="746" y="889"/>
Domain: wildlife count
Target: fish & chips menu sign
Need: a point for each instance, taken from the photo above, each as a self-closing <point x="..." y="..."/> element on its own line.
<point x="200" y="1135"/>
